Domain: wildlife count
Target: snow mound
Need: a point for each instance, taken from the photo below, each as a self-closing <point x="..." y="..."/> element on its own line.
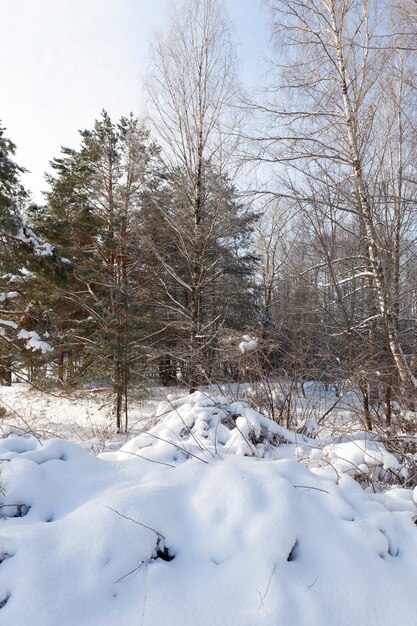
<point x="203" y="426"/>
<point x="189" y="524"/>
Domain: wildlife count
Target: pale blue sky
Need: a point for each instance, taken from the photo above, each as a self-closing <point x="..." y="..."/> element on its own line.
<point x="62" y="61"/>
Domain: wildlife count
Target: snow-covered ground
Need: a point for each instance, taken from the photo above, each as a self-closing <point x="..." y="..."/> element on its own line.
<point x="86" y="416"/>
<point x="83" y="416"/>
<point x="215" y="516"/>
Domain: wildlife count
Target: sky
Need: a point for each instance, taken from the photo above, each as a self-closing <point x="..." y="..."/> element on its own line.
<point x="63" y="61"/>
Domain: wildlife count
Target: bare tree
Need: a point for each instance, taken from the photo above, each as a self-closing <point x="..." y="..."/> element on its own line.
<point x="331" y="133"/>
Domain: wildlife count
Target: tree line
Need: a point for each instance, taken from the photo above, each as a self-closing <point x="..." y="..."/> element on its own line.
<point x="157" y="248"/>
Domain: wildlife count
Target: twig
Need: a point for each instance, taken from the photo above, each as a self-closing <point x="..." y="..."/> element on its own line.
<point x="180" y="448"/>
<point x="314" y="582"/>
<point x="146" y="459"/>
<point x="309" y="487"/>
<point x="135" y="569"/>
<point x="29" y="429"/>
<point x="267" y="587"/>
<point x="136" y="522"/>
<point x="145" y="597"/>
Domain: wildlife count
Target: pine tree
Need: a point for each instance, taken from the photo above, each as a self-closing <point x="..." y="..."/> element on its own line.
<point x="226" y="265"/>
<point x="95" y="209"/>
<point x="27" y="265"/>
<point x="193" y="90"/>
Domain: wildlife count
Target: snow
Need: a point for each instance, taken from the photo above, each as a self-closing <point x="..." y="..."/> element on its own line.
<point x="40" y="248"/>
<point x="363" y="456"/>
<point x="206" y="518"/>
<point x="248" y="344"/>
<point x="8" y="323"/>
<point x="34" y="342"/>
<point x="10" y="278"/>
<point x="83" y="416"/>
<point x="8" y="295"/>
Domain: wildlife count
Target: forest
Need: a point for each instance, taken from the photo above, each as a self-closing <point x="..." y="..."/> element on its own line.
<point x="227" y="237"/>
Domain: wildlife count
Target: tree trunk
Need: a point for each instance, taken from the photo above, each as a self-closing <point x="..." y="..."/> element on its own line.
<point x="6" y="371"/>
<point x="385" y="306"/>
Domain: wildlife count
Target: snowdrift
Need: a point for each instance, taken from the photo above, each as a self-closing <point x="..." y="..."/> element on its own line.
<point x="208" y="519"/>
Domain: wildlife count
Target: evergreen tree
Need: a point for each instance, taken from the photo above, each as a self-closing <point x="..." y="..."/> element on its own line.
<point x="221" y="289"/>
<point x="94" y="209"/>
<point x="27" y="265"/>
<point x="193" y="90"/>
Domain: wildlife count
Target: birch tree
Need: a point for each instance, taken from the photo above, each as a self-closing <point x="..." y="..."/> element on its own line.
<point x="328" y="125"/>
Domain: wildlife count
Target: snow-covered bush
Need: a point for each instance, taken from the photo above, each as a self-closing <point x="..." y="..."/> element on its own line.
<point x="203" y="426"/>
